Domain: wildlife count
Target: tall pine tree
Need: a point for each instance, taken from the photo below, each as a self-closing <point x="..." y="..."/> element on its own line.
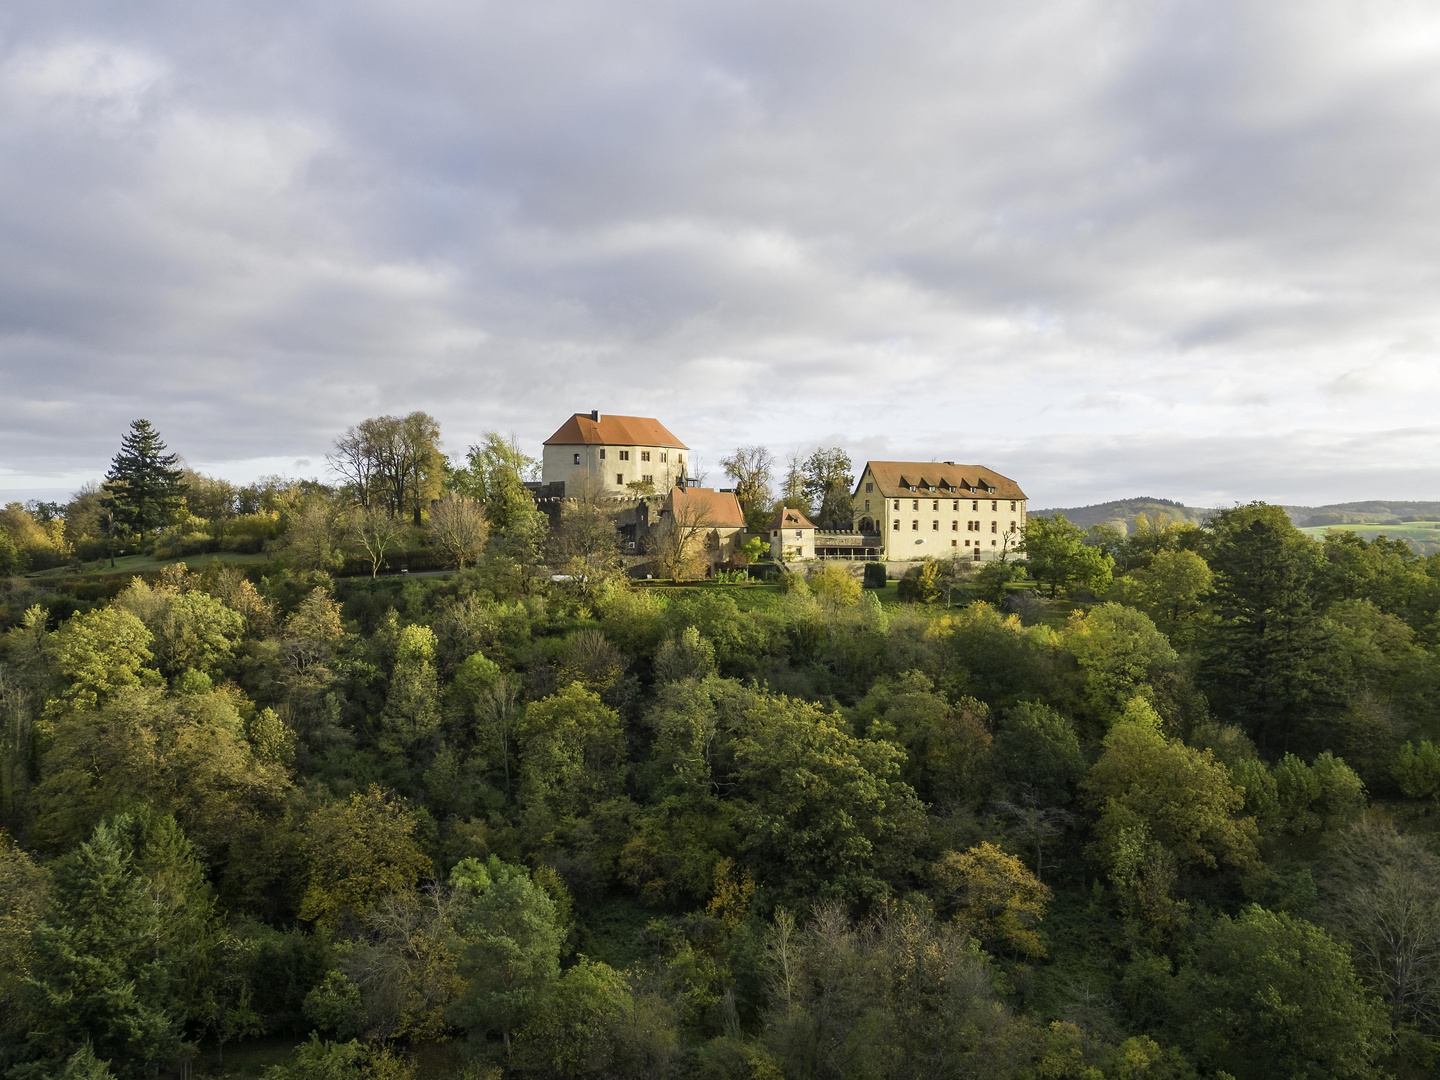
<point x="144" y="486"/>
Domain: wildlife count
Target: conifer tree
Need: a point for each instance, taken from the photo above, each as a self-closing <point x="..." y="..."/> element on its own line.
<point x="145" y="485"/>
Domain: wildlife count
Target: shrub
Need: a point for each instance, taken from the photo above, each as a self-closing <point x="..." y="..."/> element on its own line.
<point x="921" y="584"/>
<point x="874" y="575"/>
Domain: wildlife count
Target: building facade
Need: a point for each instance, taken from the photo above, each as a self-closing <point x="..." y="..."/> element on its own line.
<point x="609" y="454"/>
<point x="939" y="509"/>
<point x="711" y="522"/>
<point x="792" y="535"/>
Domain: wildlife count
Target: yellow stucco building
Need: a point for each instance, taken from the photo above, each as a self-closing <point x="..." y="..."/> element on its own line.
<point x="938" y="508"/>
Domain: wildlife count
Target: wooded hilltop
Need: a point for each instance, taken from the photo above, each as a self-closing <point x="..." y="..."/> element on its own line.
<point x="1151" y="804"/>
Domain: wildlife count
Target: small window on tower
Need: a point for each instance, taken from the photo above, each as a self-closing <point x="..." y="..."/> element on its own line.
<point x="602" y="453"/>
<point x="620" y="479"/>
<point x="577" y="459"/>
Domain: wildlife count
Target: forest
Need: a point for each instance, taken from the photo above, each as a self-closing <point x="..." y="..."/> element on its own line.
<point x="1145" y="803"/>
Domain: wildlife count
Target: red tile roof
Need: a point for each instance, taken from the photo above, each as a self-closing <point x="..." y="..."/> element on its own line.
<point x="611" y="430"/>
<point x="950" y="481"/>
<point x="713" y="509"/>
<point x="788" y="518"/>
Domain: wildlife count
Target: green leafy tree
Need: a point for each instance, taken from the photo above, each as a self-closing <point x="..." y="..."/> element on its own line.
<point x="145" y="487"/>
<point x="412" y="712"/>
<point x="1417" y="770"/>
<point x="1271" y="996"/>
<point x="1121" y="654"/>
<point x="510" y="958"/>
<point x="823" y="813"/>
<point x="1182" y="796"/>
<point x="357" y="852"/>
<point x="495" y="474"/>
<point x="1056" y="555"/>
<point x="1037" y="750"/>
<point x="827" y="483"/>
<point x="101" y="653"/>
<point x="572" y="750"/>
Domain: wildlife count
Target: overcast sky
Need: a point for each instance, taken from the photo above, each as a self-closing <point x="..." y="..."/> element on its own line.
<point x="1107" y="247"/>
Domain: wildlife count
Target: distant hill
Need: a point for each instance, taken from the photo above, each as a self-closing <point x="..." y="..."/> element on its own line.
<point x="1124" y="510"/>
<point x="1373" y="512"/>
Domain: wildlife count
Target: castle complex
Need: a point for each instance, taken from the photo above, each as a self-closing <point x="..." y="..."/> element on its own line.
<point x="903" y="510"/>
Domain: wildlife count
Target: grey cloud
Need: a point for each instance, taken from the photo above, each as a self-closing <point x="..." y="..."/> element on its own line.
<point x="1032" y="231"/>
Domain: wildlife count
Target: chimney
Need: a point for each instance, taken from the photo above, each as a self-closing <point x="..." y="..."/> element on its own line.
<point x="595" y="415"/>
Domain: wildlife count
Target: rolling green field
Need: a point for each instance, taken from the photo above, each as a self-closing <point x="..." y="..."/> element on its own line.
<point x="1423" y="536"/>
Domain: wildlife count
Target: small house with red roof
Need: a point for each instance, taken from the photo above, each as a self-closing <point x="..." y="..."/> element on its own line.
<point x="792" y="535"/>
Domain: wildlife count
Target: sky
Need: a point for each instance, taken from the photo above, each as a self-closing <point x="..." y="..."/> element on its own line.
<point x="1179" y="248"/>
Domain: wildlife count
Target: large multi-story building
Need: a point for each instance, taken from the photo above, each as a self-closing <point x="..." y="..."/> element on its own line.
<point x="610" y="453"/>
<point x="938" y="508"/>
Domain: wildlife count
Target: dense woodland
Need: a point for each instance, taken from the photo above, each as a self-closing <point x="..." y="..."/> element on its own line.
<point x="1152" y="804"/>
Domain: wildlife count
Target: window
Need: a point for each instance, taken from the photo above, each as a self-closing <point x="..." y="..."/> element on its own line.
<point x="644" y="455"/>
<point x="775" y="532"/>
<point x="915" y="526"/>
<point x="912" y="487"/>
<point x="867" y="504"/>
<point x="1012" y="526"/>
<point x="992" y="543"/>
<point x="664" y="457"/>
<point x="602" y="453"/>
<point x="967" y="541"/>
<point x="994" y="503"/>
<point x="977" y="556"/>
<point x="897" y="504"/>
<point x="994" y="527"/>
<point x="1012" y="506"/>
<point x="680" y="458"/>
<point x="896" y="526"/>
<point x="955" y="526"/>
<point x="954" y="543"/>
<point x="798" y="534"/>
<point x="975" y="504"/>
<point x="956" y="507"/>
<point x="871" y="487"/>
<point x="620" y="479"/>
<point x="914" y="503"/>
<point x="577" y="459"/>
<point x="624" y="455"/>
<point x="935" y="503"/>
<point x="935" y="526"/>
<point x="649" y="479"/>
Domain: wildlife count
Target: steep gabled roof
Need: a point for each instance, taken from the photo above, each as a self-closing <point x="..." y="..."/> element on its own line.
<point x="611" y="430"/>
<point x="895" y="478"/>
<point x="789" y="518"/>
<point x="711" y="508"/>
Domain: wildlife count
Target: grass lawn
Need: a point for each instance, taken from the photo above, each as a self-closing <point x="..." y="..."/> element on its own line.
<point x="1423" y="536"/>
<point x="140" y="564"/>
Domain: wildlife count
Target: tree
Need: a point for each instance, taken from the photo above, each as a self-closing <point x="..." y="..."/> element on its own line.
<point x="1120" y="652"/>
<point x="1270" y="658"/>
<point x="1382" y="893"/>
<point x="823" y="814"/>
<point x="495" y="475"/>
<point x="833" y="584"/>
<point x="827" y="484"/>
<point x="511" y="953"/>
<point x="358" y="851"/>
<point x="314" y="535"/>
<point x="1182" y="796"/>
<point x="122" y="953"/>
<point x="1171" y="590"/>
<point x="792" y="487"/>
<point x="144" y="487"/>
<point x="1057" y="555"/>
<point x="994" y="897"/>
<point x="751" y="468"/>
<point x="392" y="462"/>
<point x="101" y="653"/>
<point x="412" y="712"/>
<point x="572" y="752"/>
<point x="375" y="531"/>
<point x="457" y="527"/>
<point x="1271" y="996"/>
<point x="1037" y="750"/>
<point x="1417" y="770"/>
<point x="586" y="543"/>
<point x="675" y="542"/>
